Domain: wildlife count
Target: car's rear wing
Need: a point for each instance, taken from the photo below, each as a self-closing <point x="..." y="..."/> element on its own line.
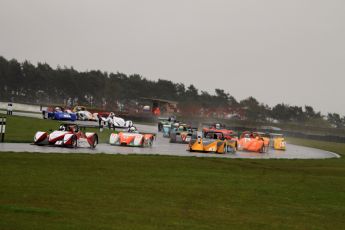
<point x="154" y="134"/>
<point x="145" y="133"/>
<point x="262" y="134"/>
<point x="233" y="134"/>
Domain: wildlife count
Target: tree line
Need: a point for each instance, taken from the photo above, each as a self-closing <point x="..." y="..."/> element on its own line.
<point x="28" y="83"/>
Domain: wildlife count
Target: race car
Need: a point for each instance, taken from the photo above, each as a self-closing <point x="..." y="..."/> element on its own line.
<point x="60" y="114"/>
<point x="132" y="138"/>
<point x="165" y="121"/>
<point x="68" y="135"/>
<point x="113" y="121"/>
<point x="84" y="115"/>
<point x="277" y="141"/>
<point x="182" y="134"/>
<point x="167" y="129"/>
<point x="214" y="126"/>
<point x="253" y="142"/>
<point x="211" y="141"/>
<point x="228" y="133"/>
<point x="266" y="137"/>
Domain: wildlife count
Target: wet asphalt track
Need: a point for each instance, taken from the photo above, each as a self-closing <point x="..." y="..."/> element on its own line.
<point x="159" y="148"/>
<point x="162" y="146"/>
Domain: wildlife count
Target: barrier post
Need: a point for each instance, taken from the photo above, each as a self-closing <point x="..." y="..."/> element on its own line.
<point x="2" y="128"/>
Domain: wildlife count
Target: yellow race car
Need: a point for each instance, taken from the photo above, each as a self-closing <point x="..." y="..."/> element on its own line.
<point x="211" y="141"/>
<point x="277" y="141"/>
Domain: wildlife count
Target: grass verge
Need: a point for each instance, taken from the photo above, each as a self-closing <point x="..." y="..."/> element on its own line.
<point x="82" y="191"/>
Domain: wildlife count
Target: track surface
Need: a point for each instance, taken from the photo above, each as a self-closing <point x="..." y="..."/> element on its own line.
<point x="294" y="151"/>
<point x="162" y="146"/>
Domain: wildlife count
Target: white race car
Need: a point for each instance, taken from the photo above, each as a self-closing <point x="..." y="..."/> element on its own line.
<point x="113" y="121"/>
<point x="84" y="115"/>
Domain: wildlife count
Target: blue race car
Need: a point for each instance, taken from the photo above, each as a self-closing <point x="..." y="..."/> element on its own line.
<point x="166" y="130"/>
<point x="62" y="115"/>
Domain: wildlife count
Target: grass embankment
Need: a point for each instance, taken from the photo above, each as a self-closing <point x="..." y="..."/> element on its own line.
<point x="81" y="191"/>
<point x="338" y="148"/>
<point x="23" y="129"/>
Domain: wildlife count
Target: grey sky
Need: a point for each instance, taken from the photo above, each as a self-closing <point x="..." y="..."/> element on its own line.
<point x="290" y="51"/>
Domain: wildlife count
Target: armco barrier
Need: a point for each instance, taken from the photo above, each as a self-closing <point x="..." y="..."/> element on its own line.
<point x="23" y="107"/>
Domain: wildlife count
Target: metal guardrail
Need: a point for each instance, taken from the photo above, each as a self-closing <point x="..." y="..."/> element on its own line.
<point x="2" y="128"/>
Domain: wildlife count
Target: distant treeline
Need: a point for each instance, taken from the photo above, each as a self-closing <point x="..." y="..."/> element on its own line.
<point x="25" y="82"/>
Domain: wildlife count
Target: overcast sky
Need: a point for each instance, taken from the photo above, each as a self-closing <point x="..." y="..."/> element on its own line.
<point x="290" y="51"/>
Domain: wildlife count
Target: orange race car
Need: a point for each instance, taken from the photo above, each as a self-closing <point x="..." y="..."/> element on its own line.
<point x="253" y="142"/>
<point x="211" y="141"/>
<point x="132" y="138"/>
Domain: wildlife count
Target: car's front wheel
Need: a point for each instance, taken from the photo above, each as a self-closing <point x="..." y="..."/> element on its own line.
<point x="150" y="142"/>
<point x="229" y="149"/>
<point x="74" y="142"/>
<point x="225" y="148"/>
<point x="94" y="141"/>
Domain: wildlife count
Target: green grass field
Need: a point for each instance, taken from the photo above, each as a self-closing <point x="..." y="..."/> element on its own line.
<point x="87" y="191"/>
<point x="81" y="191"/>
<point x="23" y="129"/>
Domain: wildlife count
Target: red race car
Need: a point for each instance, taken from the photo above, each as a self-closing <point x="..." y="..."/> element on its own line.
<point x="228" y="133"/>
<point x="68" y="135"/>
